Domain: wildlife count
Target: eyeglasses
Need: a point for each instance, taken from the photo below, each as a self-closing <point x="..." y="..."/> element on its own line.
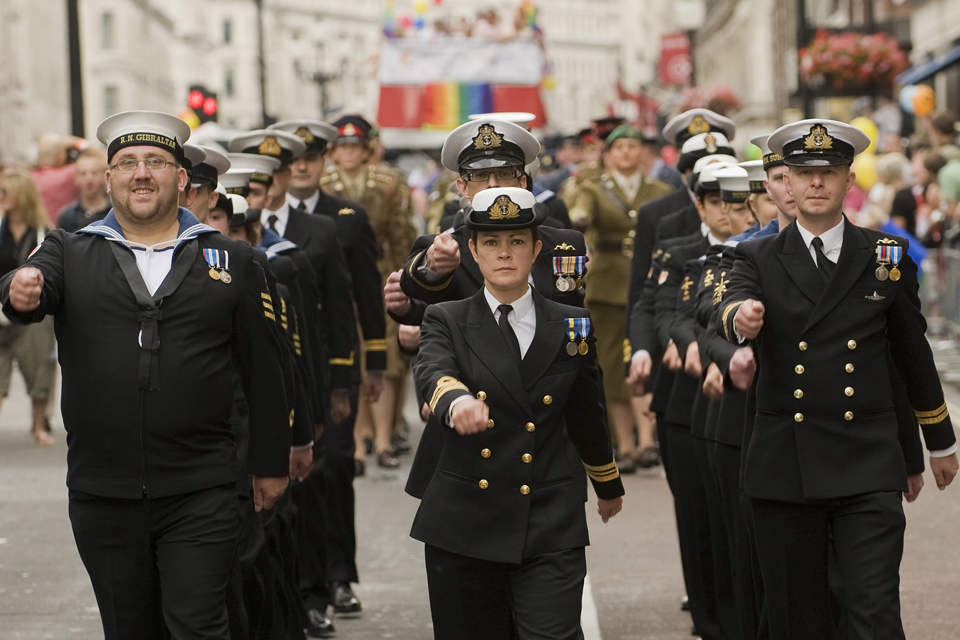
<point x="501" y="174"/>
<point x="153" y="163"/>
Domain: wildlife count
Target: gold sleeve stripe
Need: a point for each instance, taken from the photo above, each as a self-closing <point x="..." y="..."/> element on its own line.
<point x="940" y="415"/>
<point x="266" y="296"/>
<point x="270" y="316"/>
<point x="602" y="473"/>
<point x="726" y="314"/>
<point x="375" y="345"/>
<point x="627" y="353"/>
<point x="444" y="386"/>
<point x="429" y="287"/>
<point x="930" y="414"/>
<point x="268" y="306"/>
<point x="342" y="362"/>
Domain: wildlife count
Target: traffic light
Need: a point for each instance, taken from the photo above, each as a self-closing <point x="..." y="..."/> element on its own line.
<point x="203" y="103"/>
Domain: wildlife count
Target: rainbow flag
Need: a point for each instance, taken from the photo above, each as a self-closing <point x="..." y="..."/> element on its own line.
<point x="446" y="105"/>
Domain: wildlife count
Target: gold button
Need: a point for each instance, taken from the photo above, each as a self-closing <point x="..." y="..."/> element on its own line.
<point x="849" y="368"/>
<point x="798" y="417"/>
<point x="798" y="368"/>
<point x="531" y="427"/>
<point x="848" y="391"/>
<point x="803" y="346"/>
<point x="527" y="458"/>
<point x="547" y="400"/>
<point x="798" y="394"/>
<point x="524" y="489"/>
<point x="484" y="484"/>
<point x="481" y="395"/>
<point x="485" y="453"/>
<point x="848" y="416"/>
<point x="490" y="424"/>
<point x="851" y="344"/>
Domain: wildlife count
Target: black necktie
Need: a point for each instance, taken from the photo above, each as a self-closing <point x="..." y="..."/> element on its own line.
<point x="301" y="207"/>
<point x="272" y="223"/>
<point x="507" y="330"/>
<point x="823" y="263"/>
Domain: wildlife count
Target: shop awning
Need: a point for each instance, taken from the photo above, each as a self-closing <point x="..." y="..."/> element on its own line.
<point x="929" y="68"/>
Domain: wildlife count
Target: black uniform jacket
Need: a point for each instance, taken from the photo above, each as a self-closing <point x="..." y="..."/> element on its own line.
<point x="826" y="424"/>
<point x="126" y="441"/>
<point x="360" y="248"/>
<point x="467" y="279"/>
<point x="318" y="237"/>
<point x="511" y="492"/>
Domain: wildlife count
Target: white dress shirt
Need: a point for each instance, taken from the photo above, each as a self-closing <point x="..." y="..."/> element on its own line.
<point x="523" y="321"/>
<point x="309" y="204"/>
<point x="153" y="262"/>
<point x="283" y="215"/>
<point x="832" y="241"/>
<point x="630" y="185"/>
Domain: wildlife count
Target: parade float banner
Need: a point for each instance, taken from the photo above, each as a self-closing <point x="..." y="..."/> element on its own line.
<point x="437" y="84"/>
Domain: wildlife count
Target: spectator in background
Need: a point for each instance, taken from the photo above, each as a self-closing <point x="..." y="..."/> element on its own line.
<point x="54" y="171"/>
<point x="92" y="203"/>
<point x="929" y="214"/>
<point x="942" y="129"/>
<point x="889" y="169"/>
<point x="22" y="228"/>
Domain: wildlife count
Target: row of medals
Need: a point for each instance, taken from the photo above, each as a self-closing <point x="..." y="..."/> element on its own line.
<point x="573" y="349"/>
<point x="883" y="274"/>
<point x="220" y="274"/>
<point x="568" y="283"/>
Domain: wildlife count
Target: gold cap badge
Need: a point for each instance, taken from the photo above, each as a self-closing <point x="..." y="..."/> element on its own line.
<point x="348" y="130"/>
<point x="698" y="125"/>
<point x="503" y="208"/>
<point x="269" y="147"/>
<point x="487" y="138"/>
<point x="711" y="143"/>
<point x="305" y="135"/>
<point x="818" y="140"/>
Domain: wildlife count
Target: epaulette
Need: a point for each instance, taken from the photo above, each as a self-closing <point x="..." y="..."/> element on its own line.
<point x="346" y="211"/>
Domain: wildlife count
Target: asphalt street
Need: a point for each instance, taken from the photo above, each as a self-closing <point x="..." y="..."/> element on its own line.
<point x="634" y="589"/>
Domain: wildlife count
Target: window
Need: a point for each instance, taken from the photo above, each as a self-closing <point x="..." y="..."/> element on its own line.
<point x="111" y="100"/>
<point x="227" y="31"/>
<point x="106" y="29"/>
<point x="228" y="82"/>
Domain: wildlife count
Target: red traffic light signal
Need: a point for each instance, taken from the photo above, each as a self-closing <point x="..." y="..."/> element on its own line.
<point x="195" y="99"/>
<point x="210" y="106"/>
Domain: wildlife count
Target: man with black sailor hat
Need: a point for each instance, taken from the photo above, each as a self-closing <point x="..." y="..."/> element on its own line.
<point x="203" y="174"/>
<point x="152" y="464"/>
<point x="826" y="305"/>
<point x="514" y="379"/>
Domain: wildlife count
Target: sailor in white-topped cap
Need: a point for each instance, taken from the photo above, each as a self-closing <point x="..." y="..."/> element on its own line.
<point x="700" y="145"/>
<point x="152" y="462"/>
<point x="697" y="121"/>
<point x="760" y="201"/>
<point x="275" y="143"/>
<point x="260" y="170"/>
<point x="316" y="134"/>
<point x="735" y="194"/>
<point x="835" y="308"/>
<point x="203" y="173"/>
<point x="480" y="145"/>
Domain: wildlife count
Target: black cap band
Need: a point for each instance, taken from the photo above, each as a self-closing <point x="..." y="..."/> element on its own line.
<point x="285" y="156"/>
<point x="756" y="186"/>
<point x="818" y="148"/>
<point x="239" y="191"/>
<point x="506" y="153"/>
<point x="772" y="160"/>
<point x="687" y="160"/>
<point x="145" y="139"/>
<point x="734" y="196"/>
<point x="204" y="174"/>
<point x="262" y="178"/>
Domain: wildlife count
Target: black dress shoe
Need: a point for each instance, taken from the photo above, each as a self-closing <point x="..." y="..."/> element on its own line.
<point x="359" y="468"/>
<point x="344" y="600"/>
<point x="626" y="464"/>
<point x="320" y="626"/>
<point x="387" y="460"/>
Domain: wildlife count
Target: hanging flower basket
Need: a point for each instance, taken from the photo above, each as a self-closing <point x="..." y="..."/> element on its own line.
<point x="716" y="97"/>
<point x="851" y="61"/>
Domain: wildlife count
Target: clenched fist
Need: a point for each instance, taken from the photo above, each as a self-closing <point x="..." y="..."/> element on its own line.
<point x="394" y="298"/>
<point x="470" y="416"/>
<point x="443" y="256"/>
<point x="749" y="319"/>
<point x="25" y="289"/>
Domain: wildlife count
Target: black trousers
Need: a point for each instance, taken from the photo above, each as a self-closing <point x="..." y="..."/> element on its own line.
<point x="310" y="497"/>
<point x="160" y="563"/>
<point x="472" y="599"/>
<point x="693" y="531"/>
<point x="793" y="548"/>
<point x="338" y="472"/>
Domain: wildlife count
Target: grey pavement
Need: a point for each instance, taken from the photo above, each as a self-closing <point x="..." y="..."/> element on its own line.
<point x="634" y="569"/>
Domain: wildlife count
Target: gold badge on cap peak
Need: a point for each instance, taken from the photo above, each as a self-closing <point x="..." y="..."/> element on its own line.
<point x="711" y="143"/>
<point x="487" y="138"/>
<point x="698" y="125"/>
<point x="504" y="208"/>
<point x="305" y="134"/>
<point x="269" y="147"/>
<point x="818" y="139"/>
<point x="348" y="130"/>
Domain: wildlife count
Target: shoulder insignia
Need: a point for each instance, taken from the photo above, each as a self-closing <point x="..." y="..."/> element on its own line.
<point x="346" y="211"/>
<point x="886" y="241"/>
<point x="564" y="247"/>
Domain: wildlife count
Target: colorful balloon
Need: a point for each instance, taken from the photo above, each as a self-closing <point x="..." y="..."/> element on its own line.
<point x="906" y="97"/>
<point x="865" y="166"/>
<point x="420" y="6"/>
<point x="924" y="101"/>
<point x="869" y="127"/>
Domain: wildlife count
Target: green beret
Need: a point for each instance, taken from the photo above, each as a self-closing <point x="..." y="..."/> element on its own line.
<point x="624" y="131"/>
